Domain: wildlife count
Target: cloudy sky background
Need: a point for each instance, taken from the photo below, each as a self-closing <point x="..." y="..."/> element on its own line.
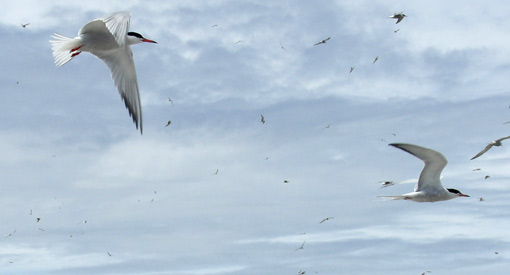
<point x="71" y="156"/>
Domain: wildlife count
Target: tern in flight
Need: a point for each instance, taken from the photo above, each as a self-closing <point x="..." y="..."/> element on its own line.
<point x="322" y="41"/>
<point x="398" y="16"/>
<point x="429" y="188"/>
<point x="109" y="40"/>
<point x="496" y="142"/>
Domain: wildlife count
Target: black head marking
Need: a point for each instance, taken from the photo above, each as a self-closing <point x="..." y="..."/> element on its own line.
<point x="454" y="191"/>
<point x="135" y="34"/>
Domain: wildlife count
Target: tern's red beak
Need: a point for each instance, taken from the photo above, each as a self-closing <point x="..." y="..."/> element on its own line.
<point x="463" y="195"/>
<point x="149" y="41"/>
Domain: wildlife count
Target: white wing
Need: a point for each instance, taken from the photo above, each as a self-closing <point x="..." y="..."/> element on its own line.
<point x="116" y="24"/>
<point x="434" y="164"/>
<point x="123" y="71"/>
<point x="489" y="146"/>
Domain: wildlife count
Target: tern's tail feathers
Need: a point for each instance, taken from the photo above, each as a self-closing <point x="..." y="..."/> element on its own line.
<point x="63" y="47"/>
<point x="393" y="197"/>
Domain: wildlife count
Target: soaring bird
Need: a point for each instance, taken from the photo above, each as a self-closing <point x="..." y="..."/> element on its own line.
<point x="399" y="16"/>
<point x="496" y="142"/>
<point x="322" y="41"/>
<point x="109" y="40"/>
<point x="429" y="188"/>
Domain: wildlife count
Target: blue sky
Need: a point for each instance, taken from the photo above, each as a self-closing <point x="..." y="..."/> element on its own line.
<point x="72" y="157"/>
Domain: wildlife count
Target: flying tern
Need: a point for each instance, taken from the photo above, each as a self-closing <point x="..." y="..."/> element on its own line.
<point x="398" y="16"/>
<point x="496" y="142"/>
<point x="322" y="41"/>
<point x="429" y="188"/>
<point x="109" y="40"/>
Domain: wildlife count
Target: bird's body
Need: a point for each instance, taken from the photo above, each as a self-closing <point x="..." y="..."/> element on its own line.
<point x="496" y="142"/>
<point x="429" y="188"/>
<point x="109" y="40"/>
<point x="399" y="16"/>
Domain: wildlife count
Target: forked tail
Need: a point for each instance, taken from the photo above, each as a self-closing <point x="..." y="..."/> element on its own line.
<point x="64" y="48"/>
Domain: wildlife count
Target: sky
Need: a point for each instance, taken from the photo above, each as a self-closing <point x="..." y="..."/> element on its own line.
<point x="218" y="191"/>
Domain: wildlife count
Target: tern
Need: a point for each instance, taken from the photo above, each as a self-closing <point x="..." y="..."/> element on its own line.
<point x="429" y="188"/>
<point x="496" y="142"/>
<point x="109" y="40"/>
<point x="322" y="41"/>
<point x="398" y="16"/>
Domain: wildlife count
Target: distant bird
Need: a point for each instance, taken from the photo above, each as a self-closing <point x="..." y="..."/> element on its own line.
<point x="496" y="142"/>
<point x="301" y="247"/>
<point x="25" y="25"/>
<point x="387" y="183"/>
<point x="487" y="176"/>
<point x="429" y="188"/>
<point x="399" y="16"/>
<point x="395" y="31"/>
<point x="168" y="123"/>
<point x="285" y="181"/>
<point x="109" y="253"/>
<point x="213" y="26"/>
<point x="322" y="41"/>
<point x="169" y="99"/>
<point x="506" y="122"/>
<point x="262" y="119"/>
<point x="352" y="69"/>
<point x="109" y="40"/>
<point x="216" y="173"/>
<point x="375" y="59"/>
<point x="281" y="46"/>
<point x="477" y="169"/>
<point x="301" y="272"/>
<point x="240" y="41"/>
<point x="481" y="199"/>
<point x="326" y="219"/>
<point x="327" y="127"/>
<point x="38" y="219"/>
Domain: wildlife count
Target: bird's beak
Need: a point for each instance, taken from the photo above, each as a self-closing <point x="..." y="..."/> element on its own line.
<point x="464" y="195"/>
<point x="149" y="41"/>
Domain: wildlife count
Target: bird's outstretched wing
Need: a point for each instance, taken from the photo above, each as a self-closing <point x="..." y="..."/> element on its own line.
<point x="503" y="138"/>
<point x="489" y="146"/>
<point x="116" y="25"/>
<point x="123" y="71"/>
<point x="434" y="164"/>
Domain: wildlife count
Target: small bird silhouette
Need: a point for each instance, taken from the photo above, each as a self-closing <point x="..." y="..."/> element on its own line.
<point x="168" y="123"/>
<point x="326" y="219"/>
<point x="375" y="59"/>
<point x="301" y="247"/>
<point x="322" y="41"/>
<point x="262" y="119"/>
<point x="352" y="69"/>
<point x="25" y="25"/>
<point x="281" y="46"/>
<point x="399" y="16"/>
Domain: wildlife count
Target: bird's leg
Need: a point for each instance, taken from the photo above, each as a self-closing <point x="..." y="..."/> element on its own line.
<point x="75" y="51"/>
